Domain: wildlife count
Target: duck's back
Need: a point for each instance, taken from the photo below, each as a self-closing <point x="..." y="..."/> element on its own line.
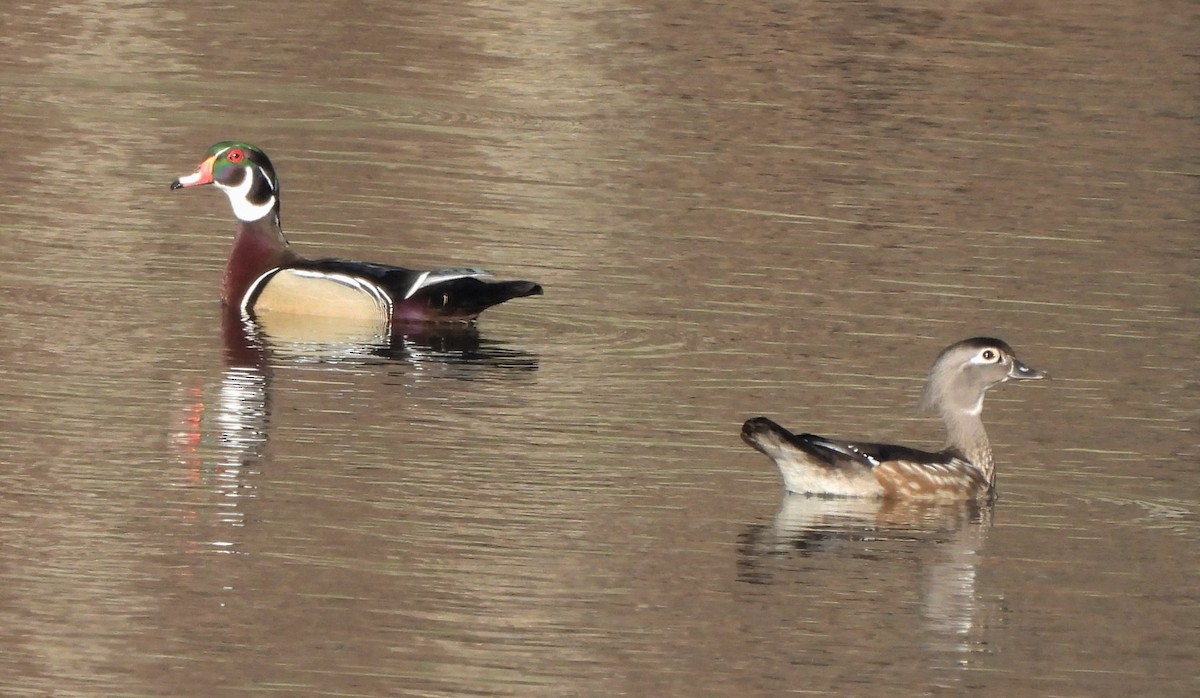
<point x="345" y="288"/>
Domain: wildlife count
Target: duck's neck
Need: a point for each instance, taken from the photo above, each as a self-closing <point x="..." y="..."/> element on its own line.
<point x="966" y="437"/>
<point x="258" y="247"/>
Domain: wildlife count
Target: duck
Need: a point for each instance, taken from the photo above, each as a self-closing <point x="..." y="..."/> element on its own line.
<point x="265" y="275"/>
<point x="963" y="470"/>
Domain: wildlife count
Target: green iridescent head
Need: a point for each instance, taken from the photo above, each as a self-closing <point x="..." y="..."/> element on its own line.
<point x="244" y="173"/>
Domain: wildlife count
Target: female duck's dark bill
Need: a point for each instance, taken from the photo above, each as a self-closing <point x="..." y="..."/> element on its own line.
<point x="202" y="175"/>
<point x="1022" y="371"/>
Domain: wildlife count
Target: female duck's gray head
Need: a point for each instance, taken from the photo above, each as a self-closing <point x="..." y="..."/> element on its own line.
<point x="964" y="371"/>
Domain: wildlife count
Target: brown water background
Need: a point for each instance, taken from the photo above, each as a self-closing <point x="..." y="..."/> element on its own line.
<point x="736" y="209"/>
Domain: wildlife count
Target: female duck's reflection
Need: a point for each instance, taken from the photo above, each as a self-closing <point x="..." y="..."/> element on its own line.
<point x="943" y="540"/>
<point x="221" y="439"/>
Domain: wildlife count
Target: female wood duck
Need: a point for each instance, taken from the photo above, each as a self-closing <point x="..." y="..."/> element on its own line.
<point x="264" y="274"/>
<point x="964" y="469"/>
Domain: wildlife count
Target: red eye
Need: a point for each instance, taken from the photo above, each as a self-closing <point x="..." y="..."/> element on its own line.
<point x="235" y="155"/>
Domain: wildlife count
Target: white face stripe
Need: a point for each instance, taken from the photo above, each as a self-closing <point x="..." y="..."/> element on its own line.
<point x="242" y="207"/>
<point x="267" y="178"/>
<point x="193" y="178"/>
<point x="980" y="360"/>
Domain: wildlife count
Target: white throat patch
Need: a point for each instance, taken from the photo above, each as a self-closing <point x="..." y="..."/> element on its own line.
<point x="242" y="208"/>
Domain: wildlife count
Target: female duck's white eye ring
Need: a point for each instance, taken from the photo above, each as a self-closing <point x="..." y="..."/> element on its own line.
<point x="989" y="355"/>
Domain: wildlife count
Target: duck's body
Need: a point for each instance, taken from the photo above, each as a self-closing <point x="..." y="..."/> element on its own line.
<point x="964" y="469"/>
<point x="812" y="464"/>
<point x="263" y="273"/>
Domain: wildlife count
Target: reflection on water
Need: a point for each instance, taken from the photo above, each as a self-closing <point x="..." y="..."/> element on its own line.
<point x="424" y="347"/>
<point x="221" y="446"/>
<point x="941" y="541"/>
<point x="741" y="207"/>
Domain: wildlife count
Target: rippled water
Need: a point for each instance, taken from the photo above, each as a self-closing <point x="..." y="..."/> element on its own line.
<point x="784" y="209"/>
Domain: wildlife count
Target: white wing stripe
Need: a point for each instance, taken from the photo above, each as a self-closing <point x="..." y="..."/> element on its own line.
<point x="437" y="276"/>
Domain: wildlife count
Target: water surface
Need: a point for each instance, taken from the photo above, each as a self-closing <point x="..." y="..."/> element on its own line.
<point x="785" y="209"/>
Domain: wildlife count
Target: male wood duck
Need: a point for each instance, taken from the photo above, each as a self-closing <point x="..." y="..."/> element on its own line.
<point x="264" y="274"/>
<point x="963" y="470"/>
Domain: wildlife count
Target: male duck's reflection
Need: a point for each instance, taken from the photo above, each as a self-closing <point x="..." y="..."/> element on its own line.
<point x="221" y="439"/>
<point x="279" y="339"/>
<point x="941" y="541"/>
